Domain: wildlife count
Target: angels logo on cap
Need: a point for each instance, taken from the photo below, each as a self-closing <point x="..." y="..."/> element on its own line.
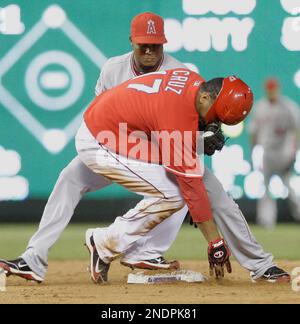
<point x="148" y="28"/>
<point x="151" y="27"/>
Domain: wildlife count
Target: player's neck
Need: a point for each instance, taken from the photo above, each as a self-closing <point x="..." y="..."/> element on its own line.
<point x="141" y="69"/>
<point x="273" y="101"/>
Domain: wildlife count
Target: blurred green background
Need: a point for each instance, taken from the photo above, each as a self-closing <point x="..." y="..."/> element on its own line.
<point x="31" y="155"/>
<point x="283" y="242"/>
<point x="228" y="37"/>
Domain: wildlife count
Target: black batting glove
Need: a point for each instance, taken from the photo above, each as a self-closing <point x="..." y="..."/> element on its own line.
<point x="214" y="139"/>
<point x="218" y="257"/>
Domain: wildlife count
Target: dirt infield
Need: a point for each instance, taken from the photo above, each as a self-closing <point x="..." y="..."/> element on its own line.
<point x="68" y="282"/>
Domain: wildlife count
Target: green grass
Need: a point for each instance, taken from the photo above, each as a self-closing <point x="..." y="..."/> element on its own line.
<point x="283" y="242"/>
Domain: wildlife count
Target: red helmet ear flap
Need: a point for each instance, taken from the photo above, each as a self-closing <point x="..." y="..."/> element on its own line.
<point x="233" y="102"/>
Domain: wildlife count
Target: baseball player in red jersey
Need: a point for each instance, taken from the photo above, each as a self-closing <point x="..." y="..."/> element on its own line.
<point x="76" y="179"/>
<point x="166" y="101"/>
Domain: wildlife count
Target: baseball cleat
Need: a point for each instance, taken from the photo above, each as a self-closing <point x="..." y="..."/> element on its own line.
<point x="273" y="275"/>
<point x="159" y="263"/>
<point x="19" y="268"/>
<point x="98" y="269"/>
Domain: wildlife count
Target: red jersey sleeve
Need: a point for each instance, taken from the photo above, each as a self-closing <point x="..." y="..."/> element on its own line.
<point x="188" y="169"/>
<point x="195" y="195"/>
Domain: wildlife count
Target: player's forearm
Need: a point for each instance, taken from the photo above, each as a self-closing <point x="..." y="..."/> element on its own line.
<point x="209" y="230"/>
<point x="195" y="195"/>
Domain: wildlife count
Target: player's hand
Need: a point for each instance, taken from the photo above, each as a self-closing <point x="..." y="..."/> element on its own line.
<point x="218" y="257"/>
<point x="213" y="139"/>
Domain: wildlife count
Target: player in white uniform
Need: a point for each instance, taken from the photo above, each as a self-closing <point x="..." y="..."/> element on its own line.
<point x="76" y="180"/>
<point x="121" y="68"/>
<point x="275" y="126"/>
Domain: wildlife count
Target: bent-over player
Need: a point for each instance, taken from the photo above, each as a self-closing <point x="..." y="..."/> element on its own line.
<point x="158" y="103"/>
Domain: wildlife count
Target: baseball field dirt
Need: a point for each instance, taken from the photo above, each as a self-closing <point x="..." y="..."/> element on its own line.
<point x="68" y="282"/>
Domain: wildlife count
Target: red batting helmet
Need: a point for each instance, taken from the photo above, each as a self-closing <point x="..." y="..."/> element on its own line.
<point x="233" y="102"/>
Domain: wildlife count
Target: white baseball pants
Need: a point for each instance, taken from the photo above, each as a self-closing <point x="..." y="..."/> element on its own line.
<point x="161" y="193"/>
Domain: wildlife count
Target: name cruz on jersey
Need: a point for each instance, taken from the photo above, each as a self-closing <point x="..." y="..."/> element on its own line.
<point x="156" y="108"/>
<point x="155" y="113"/>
